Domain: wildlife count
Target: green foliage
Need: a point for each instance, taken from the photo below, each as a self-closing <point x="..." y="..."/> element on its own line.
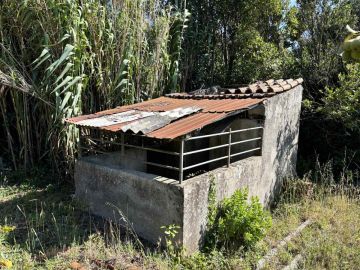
<point x="173" y="250"/>
<point x="226" y="36"/>
<point x="212" y="204"/>
<point x="259" y="58"/>
<point x="342" y="103"/>
<point x="62" y="58"/>
<point x="201" y="261"/>
<point x="170" y="232"/>
<point x="317" y="49"/>
<point x="321" y="29"/>
<point x="242" y="221"/>
<point x="239" y="222"/>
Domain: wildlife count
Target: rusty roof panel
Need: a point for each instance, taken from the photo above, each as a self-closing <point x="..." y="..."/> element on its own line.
<point x="227" y="105"/>
<point x="211" y="111"/>
<point x="186" y="125"/>
<point x="216" y="105"/>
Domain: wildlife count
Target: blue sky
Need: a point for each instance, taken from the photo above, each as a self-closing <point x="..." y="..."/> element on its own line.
<point x="293" y="2"/>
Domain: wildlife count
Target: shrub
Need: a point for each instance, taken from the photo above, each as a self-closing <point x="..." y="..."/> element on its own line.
<point x="240" y="222"/>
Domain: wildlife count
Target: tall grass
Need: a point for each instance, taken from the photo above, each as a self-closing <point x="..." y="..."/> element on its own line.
<point x="321" y="184"/>
<point x="60" y="58"/>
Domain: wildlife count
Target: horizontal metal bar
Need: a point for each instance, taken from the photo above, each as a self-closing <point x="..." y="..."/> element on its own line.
<point x="221" y="146"/>
<point x="245" y="141"/>
<point x="244" y="152"/>
<point x="134" y="146"/>
<point x="161" y="165"/>
<point x="222" y="133"/>
<point x="206" y="136"/>
<point x="246" y="129"/>
<point x="206" y="162"/>
<point x="205" y="149"/>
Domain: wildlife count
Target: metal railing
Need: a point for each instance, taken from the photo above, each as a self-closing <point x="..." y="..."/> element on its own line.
<point x="182" y="152"/>
<point x="229" y="144"/>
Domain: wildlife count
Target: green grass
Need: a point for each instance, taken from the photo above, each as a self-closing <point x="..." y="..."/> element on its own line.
<point x="53" y="231"/>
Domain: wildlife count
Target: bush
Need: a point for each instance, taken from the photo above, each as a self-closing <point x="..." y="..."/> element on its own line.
<point x="240" y="222"/>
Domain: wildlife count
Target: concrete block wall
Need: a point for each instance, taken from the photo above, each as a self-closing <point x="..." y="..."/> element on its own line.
<point x="149" y="201"/>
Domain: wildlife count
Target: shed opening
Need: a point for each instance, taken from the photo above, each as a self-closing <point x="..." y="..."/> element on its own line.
<point x="213" y="146"/>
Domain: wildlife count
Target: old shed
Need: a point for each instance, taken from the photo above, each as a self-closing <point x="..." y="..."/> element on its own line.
<point x="153" y="161"/>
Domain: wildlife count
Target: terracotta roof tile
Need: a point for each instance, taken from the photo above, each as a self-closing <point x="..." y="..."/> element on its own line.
<point x="255" y="88"/>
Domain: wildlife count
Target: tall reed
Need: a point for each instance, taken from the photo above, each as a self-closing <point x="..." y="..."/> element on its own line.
<point x="60" y="58"/>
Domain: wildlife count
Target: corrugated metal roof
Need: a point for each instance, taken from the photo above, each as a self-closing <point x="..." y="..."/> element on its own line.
<point x="158" y="120"/>
<point x="113" y="119"/>
<point x="170" y="117"/>
<point x="186" y="125"/>
<point x="163" y="104"/>
<point x="153" y="118"/>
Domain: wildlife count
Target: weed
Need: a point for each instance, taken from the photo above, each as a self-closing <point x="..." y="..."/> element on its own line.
<point x="237" y="222"/>
<point x="174" y="251"/>
<point x="241" y="222"/>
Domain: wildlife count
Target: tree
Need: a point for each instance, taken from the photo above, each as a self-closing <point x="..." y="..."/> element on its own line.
<point x="233" y="41"/>
<point x="320" y="31"/>
<point x="342" y="103"/>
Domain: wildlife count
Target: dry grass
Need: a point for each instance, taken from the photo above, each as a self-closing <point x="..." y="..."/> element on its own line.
<point x="53" y="232"/>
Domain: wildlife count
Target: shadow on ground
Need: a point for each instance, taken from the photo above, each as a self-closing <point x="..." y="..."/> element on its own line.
<point x="48" y="220"/>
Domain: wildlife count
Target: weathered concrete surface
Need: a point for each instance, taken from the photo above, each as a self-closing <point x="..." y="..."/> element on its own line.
<point x="262" y="175"/>
<point x="240" y="174"/>
<point x="280" y="142"/>
<point x="150" y="202"/>
<point x="147" y="201"/>
<point x="132" y="159"/>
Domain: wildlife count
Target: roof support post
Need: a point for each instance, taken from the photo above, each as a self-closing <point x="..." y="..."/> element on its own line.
<point x="229" y="149"/>
<point x="122" y="137"/>
<point x="181" y="161"/>
<point x="79" y="143"/>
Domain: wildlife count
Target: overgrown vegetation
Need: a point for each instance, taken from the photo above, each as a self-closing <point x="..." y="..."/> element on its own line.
<point x="63" y="58"/>
<point x="342" y="103"/>
<point x="241" y="222"/>
<point x="236" y="222"/>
